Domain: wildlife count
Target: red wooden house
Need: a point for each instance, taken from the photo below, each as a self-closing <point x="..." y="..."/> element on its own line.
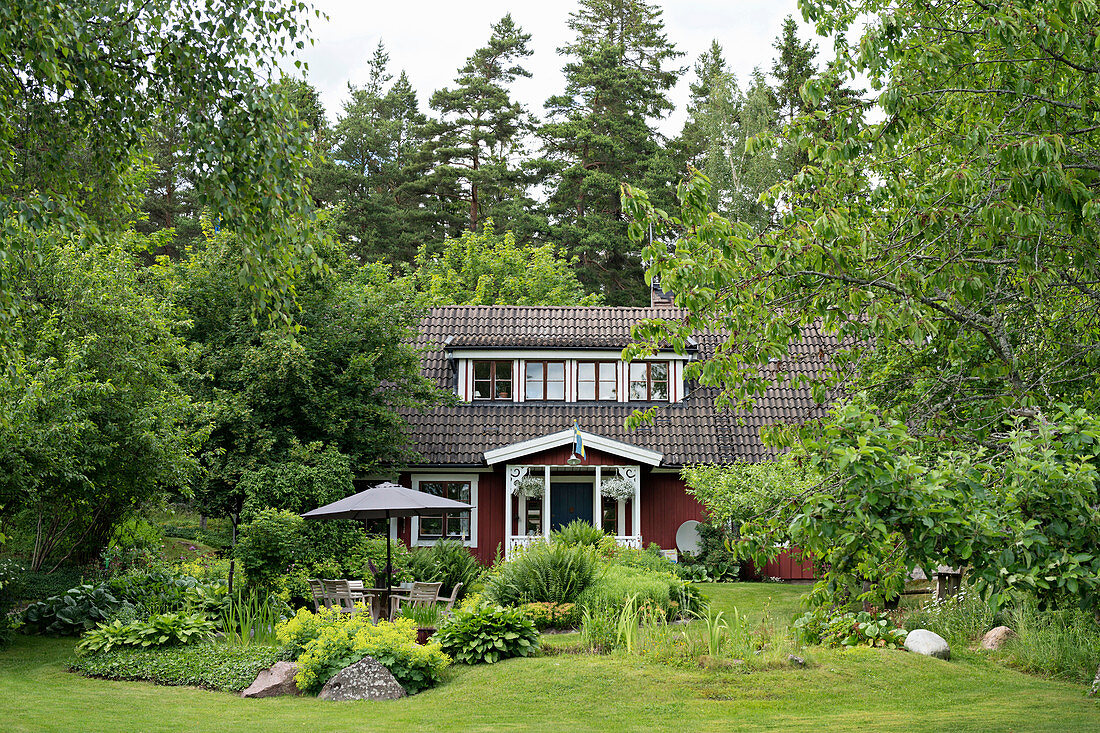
<point x="525" y="376"/>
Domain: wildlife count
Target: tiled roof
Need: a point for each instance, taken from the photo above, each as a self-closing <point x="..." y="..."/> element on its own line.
<point x="691" y="431"/>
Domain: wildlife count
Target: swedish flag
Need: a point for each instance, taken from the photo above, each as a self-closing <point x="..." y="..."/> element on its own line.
<point x="578" y="441"/>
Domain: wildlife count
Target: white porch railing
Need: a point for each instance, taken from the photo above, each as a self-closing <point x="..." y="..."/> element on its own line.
<point x="518" y="542"/>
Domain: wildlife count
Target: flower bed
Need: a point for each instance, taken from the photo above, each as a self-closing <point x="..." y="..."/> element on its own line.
<point x="211" y="665"/>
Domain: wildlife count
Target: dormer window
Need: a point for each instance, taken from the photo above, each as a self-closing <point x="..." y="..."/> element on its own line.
<point x="544" y="380"/>
<point x="493" y="380"/>
<point x="597" y="380"/>
<point x="649" y="381"/>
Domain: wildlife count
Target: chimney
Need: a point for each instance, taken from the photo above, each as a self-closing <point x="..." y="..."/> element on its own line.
<point x="658" y="298"/>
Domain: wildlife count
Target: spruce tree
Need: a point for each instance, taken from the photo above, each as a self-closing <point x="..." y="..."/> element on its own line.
<point x="479" y="135"/>
<point x="601" y="133"/>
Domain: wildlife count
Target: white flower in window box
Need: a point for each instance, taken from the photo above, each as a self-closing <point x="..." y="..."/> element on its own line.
<point x="618" y="488"/>
<point x="530" y="486"/>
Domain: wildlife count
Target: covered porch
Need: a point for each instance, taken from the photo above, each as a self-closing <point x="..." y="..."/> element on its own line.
<point x="545" y="490"/>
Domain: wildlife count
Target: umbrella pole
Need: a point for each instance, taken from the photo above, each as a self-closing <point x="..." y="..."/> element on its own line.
<point x="389" y="566"/>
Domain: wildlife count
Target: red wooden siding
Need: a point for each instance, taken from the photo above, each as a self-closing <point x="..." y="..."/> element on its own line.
<point x="665" y="506"/>
<point x="490" y="516"/>
<point x="790" y="565"/>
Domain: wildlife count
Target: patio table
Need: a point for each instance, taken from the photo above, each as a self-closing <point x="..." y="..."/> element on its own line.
<point x="373" y="597"/>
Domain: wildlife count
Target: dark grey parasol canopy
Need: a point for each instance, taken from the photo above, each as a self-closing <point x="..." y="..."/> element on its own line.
<point x="385" y="501"/>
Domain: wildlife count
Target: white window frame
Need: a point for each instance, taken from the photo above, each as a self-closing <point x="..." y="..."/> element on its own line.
<point x="414" y="525"/>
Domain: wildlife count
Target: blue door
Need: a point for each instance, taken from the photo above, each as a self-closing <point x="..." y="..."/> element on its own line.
<point x="569" y="502"/>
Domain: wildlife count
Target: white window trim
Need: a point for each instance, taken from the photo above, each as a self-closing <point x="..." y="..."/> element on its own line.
<point x="414" y="525"/>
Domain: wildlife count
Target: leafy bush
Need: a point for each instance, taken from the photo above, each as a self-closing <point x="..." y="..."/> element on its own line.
<point x="649" y="559"/>
<point x="487" y="634"/>
<point x="544" y="571"/>
<point x="11" y="584"/>
<point x="960" y="619"/>
<point x="269" y="544"/>
<point x="73" y="612"/>
<point x="833" y="627"/>
<point x="37" y="585"/>
<point x="579" y="532"/>
<point x="164" y="629"/>
<point x="214" y="666"/>
<point x="447" y="562"/>
<point x="305" y="626"/>
<point x="393" y="645"/>
<point x="617" y="583"/>
<point x="368" y="561"/>
<point x="552" y="615"/>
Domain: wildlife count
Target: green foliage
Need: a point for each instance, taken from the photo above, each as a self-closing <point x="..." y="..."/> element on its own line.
<point x="269" y="544"/>
<point x="487" y="634"/>
<point x="343" y="640"/>
<point x="1059" y="643"/>
<point x="163" y="629"/>
<point x="543" y="572"/>
<point x="578" y="532"/>
<point x="960" y="619"/>
<point x="214" y="666"/>
<point x="11" y="585"/>
<point x="611" y="588"/>
<point x="735" y="492"/>
<point x="552" y="615"/>
<point x="484" y="268"/>
<point x="837" y="627"/>
<point x="425" y="617"/>
<point x="37" y="586"/>
<point x="600" y="627"/>
<point x="448" y="562"/>
<point x="73" y="612"/>
<point x="250" y="619"/>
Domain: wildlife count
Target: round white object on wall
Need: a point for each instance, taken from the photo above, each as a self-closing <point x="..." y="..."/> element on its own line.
<point x="687" y="537"/>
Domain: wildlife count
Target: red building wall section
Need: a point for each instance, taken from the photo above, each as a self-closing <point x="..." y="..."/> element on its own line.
<point x="558" y="457"/>
<point x="665" y="506"/>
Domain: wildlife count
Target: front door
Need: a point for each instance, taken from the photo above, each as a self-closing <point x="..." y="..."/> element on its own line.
<point x="569" y="502"/>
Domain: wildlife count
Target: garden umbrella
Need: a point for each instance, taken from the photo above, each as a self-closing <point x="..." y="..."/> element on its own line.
<point x="387" y="500"/>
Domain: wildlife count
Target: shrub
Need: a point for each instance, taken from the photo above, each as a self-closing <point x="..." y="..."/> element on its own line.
<point x="368" y="561"/>
<point x="38" y="585"/>
<point x="11" y="584"/>
<point x="960" y="619"/>
<point x="836" y="627"/>
<point x="488" y="634"/>
<point x="552" y="615"/>
<point x="649" y="559"/>
<point x="164" y="629"/>
<point x="269" y="544"/>
<point x="579" y="532"/>
<point x="73" y="612"/>
<point x="447" y="562"/>
<point x="305" y="626"/>
<point x="617" y="583"/>
<point x="544" y="571"/>
<point x="211" y="665"/>
<point x="393" y="645"/>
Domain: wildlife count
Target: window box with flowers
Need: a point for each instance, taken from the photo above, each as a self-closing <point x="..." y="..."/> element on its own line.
<point x="618" y="488"/>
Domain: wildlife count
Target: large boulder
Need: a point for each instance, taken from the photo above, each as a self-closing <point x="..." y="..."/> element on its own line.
<point x="364" y="680"/>
<point x="995" y="638"/>
<point x="279" y="680"/>
<point x="928" y="643"/>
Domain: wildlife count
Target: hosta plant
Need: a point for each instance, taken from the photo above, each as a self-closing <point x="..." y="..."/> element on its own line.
<point x="488" y="634"/>
<point x="162" y="629"/>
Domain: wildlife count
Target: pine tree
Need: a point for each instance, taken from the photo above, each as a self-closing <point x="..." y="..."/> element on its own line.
<point x="377" y="143"/>
<point x="791" y="68"/>
<point x="601" y="133"/>
<point x="710" y="133"/>
<point x="479" y="135"/>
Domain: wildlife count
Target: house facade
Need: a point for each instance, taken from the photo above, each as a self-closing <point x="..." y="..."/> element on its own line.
<point x="528" y="381"/>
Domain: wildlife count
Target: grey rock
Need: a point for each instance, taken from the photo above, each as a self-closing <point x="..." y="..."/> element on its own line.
<point x="278" y="680"/>
<point x="797" y="661"/>
<point x="928" y="643"/>
<point x="364" y="680"/>
<point x="995" y="638"/>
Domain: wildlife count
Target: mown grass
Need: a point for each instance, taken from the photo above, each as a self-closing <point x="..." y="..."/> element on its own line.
<point x="863" y="689"/>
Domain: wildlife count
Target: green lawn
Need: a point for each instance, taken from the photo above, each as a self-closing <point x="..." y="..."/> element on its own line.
<point x="846" y="690"/>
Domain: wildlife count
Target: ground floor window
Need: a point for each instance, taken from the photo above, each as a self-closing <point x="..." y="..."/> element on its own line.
<point x="460" y="526"/>
<point x="610" y="515"/>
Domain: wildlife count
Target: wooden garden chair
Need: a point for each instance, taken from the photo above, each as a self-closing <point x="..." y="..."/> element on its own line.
<point x="318" y="589"/>
<point x="421" y="594"/>
<point x="450" y="602"/>
<point x="339" y="596"/>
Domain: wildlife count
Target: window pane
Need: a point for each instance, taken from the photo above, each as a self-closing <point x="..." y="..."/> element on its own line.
<point x="534" y="389"/>
<point x="481" y="370"/>
<point x="637" y="391"/>
<point x="586" y="391"/>
<point x="481" y="390"/>
<point x="607" y="371"/>
<point x="637" y="371"/>
<point x="458" y="525"/>
<point x="534" y="370"/>
<point x="504" y="370"/>
<point x="431" y="526"/>
<point x="504" y="389"/>
<point x="608" y="391"/>
<point x="555" y="391"/>
<point x="586" y="371"/>
<point x="660" y="390"/>
<point x="659" y="371"/>
<point x="459" y="491"/>
<point x="433" y="487"/>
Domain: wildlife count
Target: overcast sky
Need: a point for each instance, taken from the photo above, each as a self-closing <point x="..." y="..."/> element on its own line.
<point x="431" y="39"/>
